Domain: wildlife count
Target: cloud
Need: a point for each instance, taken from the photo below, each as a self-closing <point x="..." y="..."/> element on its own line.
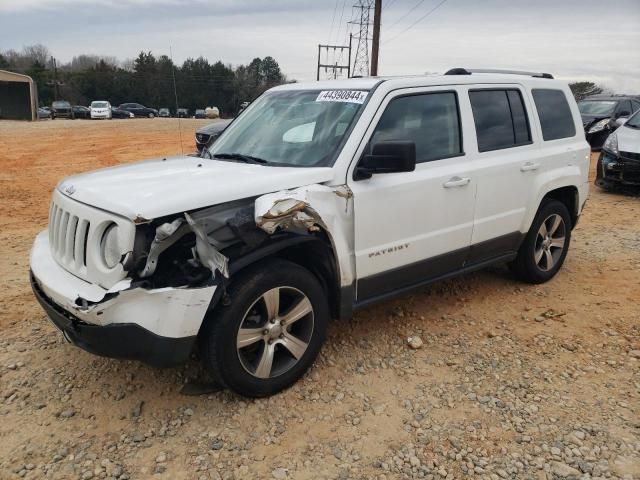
<point x="565" y="38"/>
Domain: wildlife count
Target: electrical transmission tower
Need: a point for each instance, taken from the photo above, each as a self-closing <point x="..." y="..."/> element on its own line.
<point x="361" y="59"/>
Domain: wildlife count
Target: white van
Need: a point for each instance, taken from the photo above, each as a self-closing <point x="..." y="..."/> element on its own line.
<point x="100" y="109"/>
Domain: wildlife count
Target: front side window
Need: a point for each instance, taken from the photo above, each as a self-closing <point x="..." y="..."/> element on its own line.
<point x="554" y="113"/>
<point x="500" y="118"/>
<point x="430" y="120"/>
<point x="301" y="128"/>
<point x="624" y="108"/>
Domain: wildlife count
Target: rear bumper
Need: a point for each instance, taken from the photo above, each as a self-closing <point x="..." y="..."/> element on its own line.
<point x="156" y="326"/>
<point x="124" y="340"/>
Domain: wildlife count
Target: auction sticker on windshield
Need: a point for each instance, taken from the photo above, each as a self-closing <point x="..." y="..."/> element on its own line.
<point x="350" y="96"/>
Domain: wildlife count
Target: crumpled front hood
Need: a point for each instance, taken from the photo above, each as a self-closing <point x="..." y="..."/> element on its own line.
<point x="628" y="139"/>
<point x="588" y="120"/>
<point x="156" y="188"/>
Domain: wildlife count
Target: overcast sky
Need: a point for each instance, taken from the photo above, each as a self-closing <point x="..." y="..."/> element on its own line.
<point x="573" y="39"/>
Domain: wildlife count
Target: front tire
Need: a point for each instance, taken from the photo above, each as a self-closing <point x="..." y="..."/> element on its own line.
<point x="545" y="246"/>
<point x="151" y="115"/>
<point x="271" y="331"/>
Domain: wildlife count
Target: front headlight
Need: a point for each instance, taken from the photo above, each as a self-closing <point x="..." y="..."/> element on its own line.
<point x="611" y="144"/>
<point x="110" y="246"/>
<point x="601" y="125"/>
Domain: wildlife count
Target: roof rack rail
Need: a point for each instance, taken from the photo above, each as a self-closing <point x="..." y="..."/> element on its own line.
<point x="469" y="71"/>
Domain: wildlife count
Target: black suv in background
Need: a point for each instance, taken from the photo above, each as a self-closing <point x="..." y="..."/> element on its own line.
<point x="61" y="109"/>
<point x="602" y="114"/>
<point x="207" y="134"/>
<point x="139" y="110"/>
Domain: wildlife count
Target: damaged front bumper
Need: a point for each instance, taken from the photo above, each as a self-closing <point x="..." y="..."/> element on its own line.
<point x="156" y="326"/>
<point x="622" y="169"/>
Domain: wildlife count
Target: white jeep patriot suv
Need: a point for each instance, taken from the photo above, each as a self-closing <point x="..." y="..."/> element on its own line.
<point x="319" y="199"/>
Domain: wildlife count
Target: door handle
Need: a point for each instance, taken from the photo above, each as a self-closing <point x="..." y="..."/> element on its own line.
<point x="456" y="182"/>
<point x="529" y="166"/>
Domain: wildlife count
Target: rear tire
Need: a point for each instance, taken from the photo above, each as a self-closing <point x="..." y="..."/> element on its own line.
<point x="545" y="246"/>
<point x="270" y="333"/>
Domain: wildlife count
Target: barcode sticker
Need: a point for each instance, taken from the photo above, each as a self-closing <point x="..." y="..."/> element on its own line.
<point x="350" y="96"/>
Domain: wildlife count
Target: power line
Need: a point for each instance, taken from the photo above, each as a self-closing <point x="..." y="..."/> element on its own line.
<point x="420" y="2"/>
<point x="386" y="5"/>
<point x="417" y="21"/>
<point x="333" y="19"/>
<point x="344" y="2"/>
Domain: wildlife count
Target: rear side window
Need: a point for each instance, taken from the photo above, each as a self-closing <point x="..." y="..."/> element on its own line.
<point x="500" y="118"/>
<point x="429" y="120"/>
<point x="554" y="112"/>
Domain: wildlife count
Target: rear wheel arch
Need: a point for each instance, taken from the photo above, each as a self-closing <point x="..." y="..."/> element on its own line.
<point x="567" y="195"/>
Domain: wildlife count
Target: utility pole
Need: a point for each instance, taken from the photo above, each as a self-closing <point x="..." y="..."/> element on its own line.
<point x="334" y="67"/>
<point x="377" y="12"/>
<point x="55" y="78"/>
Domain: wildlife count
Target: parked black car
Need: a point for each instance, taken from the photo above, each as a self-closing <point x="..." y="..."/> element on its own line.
<point x="139" y="110"/>
<point x="206" y="135"/>
<point x="81" y="112"/>
<point x="61" y="109"/>
<point x="119" y="113"/>
<point x="182" y="113"/>
<point x="602" y="114"/>
<point x="200" y="114"/>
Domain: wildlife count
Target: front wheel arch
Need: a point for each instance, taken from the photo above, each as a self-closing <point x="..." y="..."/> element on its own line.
<point x="312" y="252"/>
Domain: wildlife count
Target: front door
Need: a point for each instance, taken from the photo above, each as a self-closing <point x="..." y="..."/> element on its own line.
<point x="412" y="227"/>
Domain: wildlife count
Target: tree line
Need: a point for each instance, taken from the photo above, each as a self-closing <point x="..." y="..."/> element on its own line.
<point x="147" y="79"/>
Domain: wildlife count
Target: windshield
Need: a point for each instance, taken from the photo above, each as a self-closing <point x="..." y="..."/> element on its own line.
<point x="634" y="121"/>
<point x="300" y="128"/>
<point x="596" y="107"/>
<point x="62" y="104"/>
<point x="99" y="104"/>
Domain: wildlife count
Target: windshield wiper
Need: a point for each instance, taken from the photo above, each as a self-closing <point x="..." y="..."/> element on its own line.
<point x="239" y="156"/>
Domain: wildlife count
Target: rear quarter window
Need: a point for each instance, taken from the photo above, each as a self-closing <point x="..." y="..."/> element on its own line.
<point x="555" y="116"/>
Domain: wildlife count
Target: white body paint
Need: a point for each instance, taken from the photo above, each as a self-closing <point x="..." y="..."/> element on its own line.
<point x="409" y="216"/>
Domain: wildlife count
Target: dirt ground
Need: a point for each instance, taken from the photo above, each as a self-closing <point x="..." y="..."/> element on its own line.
<point x="513" y="381"/>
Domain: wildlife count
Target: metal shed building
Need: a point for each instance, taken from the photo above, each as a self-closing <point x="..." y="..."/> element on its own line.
<point x="18" y="97"/>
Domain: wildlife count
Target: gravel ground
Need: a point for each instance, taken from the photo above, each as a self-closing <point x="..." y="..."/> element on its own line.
<point x="500" y="380"/>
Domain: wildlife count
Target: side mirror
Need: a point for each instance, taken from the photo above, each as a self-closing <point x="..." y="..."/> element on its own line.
<point x="387" y="157"/>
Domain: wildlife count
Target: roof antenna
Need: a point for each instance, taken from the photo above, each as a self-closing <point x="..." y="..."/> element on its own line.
<point x="175" y="92"/>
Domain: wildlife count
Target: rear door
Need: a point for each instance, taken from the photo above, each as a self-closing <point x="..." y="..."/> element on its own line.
<point x="504" y="159"/>
<point x="411" y="227"/>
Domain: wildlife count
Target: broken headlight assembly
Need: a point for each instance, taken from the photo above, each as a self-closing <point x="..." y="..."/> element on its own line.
<point x="110" y="246"/>
<point x="611" y="144"/>
<point x="599" y="126"/>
